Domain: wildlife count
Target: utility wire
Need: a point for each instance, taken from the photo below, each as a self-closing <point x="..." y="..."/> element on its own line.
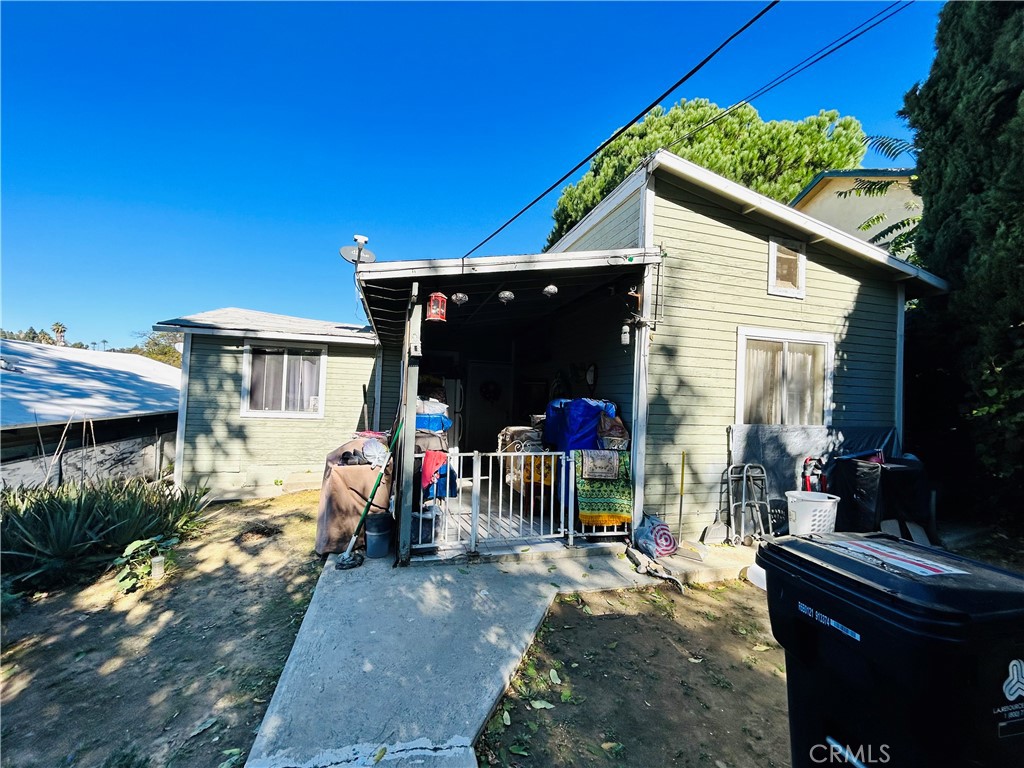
<point x="822" y="53"/>
<point x="626" y="127"/>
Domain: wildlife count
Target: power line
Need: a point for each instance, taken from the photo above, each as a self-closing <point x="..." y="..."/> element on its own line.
<point x="700" y="65"/>
<point x="825" y="51"/>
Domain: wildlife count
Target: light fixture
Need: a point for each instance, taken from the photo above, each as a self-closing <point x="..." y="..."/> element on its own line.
<point x="550" y="290"/>
<point x="460" y="298"/>
<point x="506" y="296"/>
<point x="625" y="334"/>
<point x="437" y="307"/>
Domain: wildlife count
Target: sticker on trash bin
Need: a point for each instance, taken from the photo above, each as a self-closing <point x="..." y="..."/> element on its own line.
<point x="876" y="554"/>
<point x="827" y="621"/>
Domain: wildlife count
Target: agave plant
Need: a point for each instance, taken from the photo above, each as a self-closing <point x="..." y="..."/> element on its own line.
<point x="50" y="534"/>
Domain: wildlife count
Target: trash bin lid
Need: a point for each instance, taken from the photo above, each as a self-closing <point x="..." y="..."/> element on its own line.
<point x="935" y="589"/>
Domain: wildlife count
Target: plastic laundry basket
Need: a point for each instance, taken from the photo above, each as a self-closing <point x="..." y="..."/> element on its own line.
<point x="811" y="512"/>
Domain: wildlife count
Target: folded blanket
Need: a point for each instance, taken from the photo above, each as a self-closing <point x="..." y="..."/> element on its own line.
<point x="600" y="465"/>
<point x="604" y="502"/>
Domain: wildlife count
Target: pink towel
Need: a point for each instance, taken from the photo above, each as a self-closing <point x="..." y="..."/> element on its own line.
<point x="432" y="463"/>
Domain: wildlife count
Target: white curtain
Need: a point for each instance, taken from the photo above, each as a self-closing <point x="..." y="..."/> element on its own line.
<point x="805" y="383"/>
<point x="265" y="376"/>
<point x="787" y="374"/>
<point x="762" y="396"/>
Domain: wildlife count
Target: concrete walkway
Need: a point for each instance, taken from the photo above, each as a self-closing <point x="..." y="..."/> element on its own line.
<point x="403" y="666"/>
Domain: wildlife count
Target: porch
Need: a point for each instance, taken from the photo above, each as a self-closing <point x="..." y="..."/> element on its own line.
<point x="518" y="333"/>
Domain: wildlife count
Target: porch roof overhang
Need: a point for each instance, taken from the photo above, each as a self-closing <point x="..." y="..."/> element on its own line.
<point x="386" y="287"/>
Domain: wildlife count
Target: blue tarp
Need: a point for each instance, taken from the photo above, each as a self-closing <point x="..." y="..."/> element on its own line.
<point x="571" y="425"/>
<point x="433" y="422"/>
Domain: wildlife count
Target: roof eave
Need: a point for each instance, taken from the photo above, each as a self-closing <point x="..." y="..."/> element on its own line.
<point x="249" y="333"/>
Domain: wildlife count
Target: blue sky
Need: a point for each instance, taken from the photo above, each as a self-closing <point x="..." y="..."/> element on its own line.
<point x="161" y="159"/>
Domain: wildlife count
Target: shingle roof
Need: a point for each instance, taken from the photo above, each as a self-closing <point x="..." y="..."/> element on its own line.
<point x="251" y="322"/>
<point x="44" y="384"/>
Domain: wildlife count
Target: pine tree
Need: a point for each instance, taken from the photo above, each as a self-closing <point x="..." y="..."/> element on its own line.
<point x="776" y="158"/>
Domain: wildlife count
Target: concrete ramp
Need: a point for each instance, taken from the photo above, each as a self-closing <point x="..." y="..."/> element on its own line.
<point x="403" y="666"/>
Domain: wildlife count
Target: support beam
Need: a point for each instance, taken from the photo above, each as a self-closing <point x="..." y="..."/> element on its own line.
<point x="413" y="351"/>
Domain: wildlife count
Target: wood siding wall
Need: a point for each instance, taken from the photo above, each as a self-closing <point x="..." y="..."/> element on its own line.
<point x="619" y="229"/>
<point x="714" y="279"/>
<point x="390" y="386"/>
<point x="224" y="451"/>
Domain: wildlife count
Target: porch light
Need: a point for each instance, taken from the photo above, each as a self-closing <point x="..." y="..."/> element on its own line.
<point x="506" y="296"/>
<point x="625" y="334"/>
<point x="437" y="307"/>
<point x="550" y="290"/>
<point x="460" y="298"/>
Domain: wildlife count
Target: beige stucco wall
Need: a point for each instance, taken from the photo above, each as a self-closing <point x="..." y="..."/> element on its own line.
<point x="847" y="214"/>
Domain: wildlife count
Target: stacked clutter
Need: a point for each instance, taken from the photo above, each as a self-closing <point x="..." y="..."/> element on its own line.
<point x="435" y="477"/>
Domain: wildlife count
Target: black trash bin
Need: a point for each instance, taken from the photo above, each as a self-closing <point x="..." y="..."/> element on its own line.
<point x="900" y="654"/>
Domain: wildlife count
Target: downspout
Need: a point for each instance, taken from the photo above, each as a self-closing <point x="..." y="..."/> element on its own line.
<point x="376" y="386"/>
<point x="641" y="357"/>
<point x="413" y="351"/>
<point x="901" y="333"/>
<point x="179" y="435"/>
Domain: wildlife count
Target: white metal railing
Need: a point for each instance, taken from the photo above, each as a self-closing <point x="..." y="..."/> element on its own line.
<point x="500" y="497"/>
<point x="492" y="497"/>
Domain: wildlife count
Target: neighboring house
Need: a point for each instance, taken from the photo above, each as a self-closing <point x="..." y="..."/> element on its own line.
<point x="697" y="303"/>
<point x="265" y="398"/>
<point x="69" y="414"/>
<point x="821" y="200"/>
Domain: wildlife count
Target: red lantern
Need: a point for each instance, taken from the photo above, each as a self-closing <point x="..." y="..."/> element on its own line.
<point x="437" y="307"/>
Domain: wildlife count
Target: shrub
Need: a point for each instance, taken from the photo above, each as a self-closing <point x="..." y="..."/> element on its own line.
<point x="50" y="535"/>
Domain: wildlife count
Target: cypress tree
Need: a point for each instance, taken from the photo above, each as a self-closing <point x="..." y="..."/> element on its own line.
<point x="969" y="122"/>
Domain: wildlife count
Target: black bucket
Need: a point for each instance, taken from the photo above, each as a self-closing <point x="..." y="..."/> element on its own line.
<point x="378" y="535"/>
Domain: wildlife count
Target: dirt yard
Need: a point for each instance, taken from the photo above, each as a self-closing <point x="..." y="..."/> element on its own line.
<point x="179" y="673"/>
<point x="648" y="677"/>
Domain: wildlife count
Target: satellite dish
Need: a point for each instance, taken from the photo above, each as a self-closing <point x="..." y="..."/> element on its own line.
<point x="354" y="255"/>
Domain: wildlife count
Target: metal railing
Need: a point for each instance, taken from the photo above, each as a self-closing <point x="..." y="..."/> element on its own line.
<point x="493" y="498"/>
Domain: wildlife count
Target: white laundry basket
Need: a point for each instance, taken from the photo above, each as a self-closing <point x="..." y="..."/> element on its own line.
<point x="811" y="512"/>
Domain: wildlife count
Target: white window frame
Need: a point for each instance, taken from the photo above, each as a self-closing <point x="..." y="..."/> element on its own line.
<point x="247" y="374"/>
<point x="773" y="254"/>
<point x="746" y="333"/>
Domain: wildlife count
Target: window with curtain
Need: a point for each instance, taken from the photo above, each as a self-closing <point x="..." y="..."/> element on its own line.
<point x="283" y="380"/>
<point x="784" y="381"/>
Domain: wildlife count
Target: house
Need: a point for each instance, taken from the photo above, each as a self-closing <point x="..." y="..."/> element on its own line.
<point x="820" y="199"/>
<point x="70" y="414"/>
<point x="693" y="303"/>
<point x="265" y="398"/>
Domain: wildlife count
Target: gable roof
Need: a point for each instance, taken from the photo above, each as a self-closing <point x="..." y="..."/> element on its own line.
<point x="232" y="321"/>
<point x="747" y="202"/>
<point x="856" y="173"/>
<point x="43" y="384"/>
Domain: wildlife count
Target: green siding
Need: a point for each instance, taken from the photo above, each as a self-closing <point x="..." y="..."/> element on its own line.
<point x="390" y="386"/>
<point x="714" y="279"/>
<point x="619" y="229"/>
<point x="224" y="451"/>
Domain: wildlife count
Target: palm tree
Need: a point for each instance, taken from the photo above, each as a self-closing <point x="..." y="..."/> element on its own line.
<point x="92" y="344"/>
<point x="104" y="342"/>
<point x="898" y="238"/>
<point x="59" y="329"/>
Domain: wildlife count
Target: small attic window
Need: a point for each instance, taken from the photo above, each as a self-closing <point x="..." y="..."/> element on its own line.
<point x="787" y="268"/>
